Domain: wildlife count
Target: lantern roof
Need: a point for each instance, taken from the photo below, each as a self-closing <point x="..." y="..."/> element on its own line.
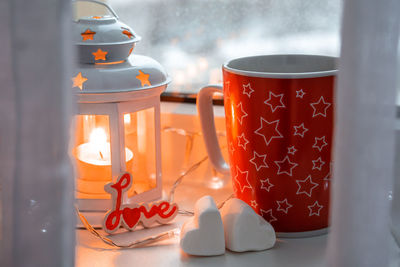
<point x="107" y="69"/>
<point x="97" y="82"/>
<point x="103" y="38"/>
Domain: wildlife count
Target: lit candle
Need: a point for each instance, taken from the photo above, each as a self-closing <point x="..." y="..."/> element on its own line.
<point x="94" y="163"/>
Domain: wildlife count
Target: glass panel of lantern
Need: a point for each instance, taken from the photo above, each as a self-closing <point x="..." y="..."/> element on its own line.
<point x="139" y="138"/>
<point x="117" y="128"/>
<point x="92" y="153"/>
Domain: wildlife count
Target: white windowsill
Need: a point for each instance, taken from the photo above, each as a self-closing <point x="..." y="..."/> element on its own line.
<point x="91" y="251"/>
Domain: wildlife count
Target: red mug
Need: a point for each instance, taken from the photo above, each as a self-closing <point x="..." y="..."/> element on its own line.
<point x="279" y="121"/>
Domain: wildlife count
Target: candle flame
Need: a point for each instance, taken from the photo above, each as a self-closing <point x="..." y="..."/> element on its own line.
<point x="127" y="118"/>
<point x="98" y="137"/>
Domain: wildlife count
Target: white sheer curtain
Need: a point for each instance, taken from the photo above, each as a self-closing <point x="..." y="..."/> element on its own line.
<point x="37" y="219"/>
<point x="364" y="149"/>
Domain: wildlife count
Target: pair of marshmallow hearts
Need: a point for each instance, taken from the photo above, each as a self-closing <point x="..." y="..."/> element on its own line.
<point x="237" y="227"/>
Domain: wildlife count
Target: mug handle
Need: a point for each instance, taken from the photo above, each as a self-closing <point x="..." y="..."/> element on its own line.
<point x="206" y="114"/>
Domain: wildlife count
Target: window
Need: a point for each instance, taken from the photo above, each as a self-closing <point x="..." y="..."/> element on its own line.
<point x="193" y="38"/>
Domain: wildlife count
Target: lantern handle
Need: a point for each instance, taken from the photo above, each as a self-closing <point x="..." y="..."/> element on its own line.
<point x="101" y="3"/>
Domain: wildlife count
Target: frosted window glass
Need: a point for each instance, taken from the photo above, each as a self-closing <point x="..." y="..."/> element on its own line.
<point x="192" y="38"/>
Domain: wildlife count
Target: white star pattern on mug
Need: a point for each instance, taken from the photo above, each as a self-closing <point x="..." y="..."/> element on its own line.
<point x="259" y="161"/>
<point x="254" y="204"/>
<point x="247" y="90"/>
<point x="320" y="107"/>
<point x="300" y="93"/>
<point x="315" y="209"/>
<point x="266" y="127"/>
<point x="231" y="147"/>
<point x="283" y="205"/>
<point x="283" y="166"/>
<point x="245" y="175"/>
<point x="235" y="191"/>
<point x="240" y="114"/>
<point x="300" y="130"/>
<point x="227" y="91"/>
<point x="317" y="164"/>
<point x="266" y="184"/>
<point x="242" y="141"/>
<point x="320" y="143"/>
<point x="306" y="186"/>
<point x="272" y="101"/>
<point x="267" y="214"/>
<point x="291" y="150"/>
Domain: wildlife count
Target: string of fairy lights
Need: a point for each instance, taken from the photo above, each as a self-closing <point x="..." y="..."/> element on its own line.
<point x="190" y="138"/>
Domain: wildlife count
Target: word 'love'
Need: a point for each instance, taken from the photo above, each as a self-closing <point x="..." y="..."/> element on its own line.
<point x="131" y="215"/>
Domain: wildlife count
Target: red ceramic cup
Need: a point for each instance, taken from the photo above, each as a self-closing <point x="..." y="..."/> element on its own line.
<point x="279" y="122"/>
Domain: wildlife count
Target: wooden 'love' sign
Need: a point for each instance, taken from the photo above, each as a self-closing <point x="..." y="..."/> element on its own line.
<point x="131" y="215"/>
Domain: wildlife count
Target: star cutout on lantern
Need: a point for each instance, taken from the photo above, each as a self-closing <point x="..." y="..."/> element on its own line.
<point x="306" y="186"/>
<point x="285" y="166"/>
<point x="300" y="93"/>
<point x="87" y="35"/>
<point x="268" y="130"/>
<point x="78" y="81"/>
<point x="291" y="150"/>
<point x="127" y="33"/>
<point x="143" y="78"/>
<point x="259" y="161"/>
<point x="274" y="101"/>
<point x="317" y="164"/>
<point x="266" y="184"/>
<point x="283" y="205"/>
<point x="267" y="215"/>
<point x="300" y="130"/>
<point x="247" y="90"/>
<point x="320" y="143"/>
<point x="320" y="107"/>
<point x="100" y="54"/>
<point x="242" y="141"/>
<point x="254" y="204"/>
<point x="241" y="179"/>
<point x="315" y="208"/>
<point x="240" y="113"/>
<point x="130" y="50"/>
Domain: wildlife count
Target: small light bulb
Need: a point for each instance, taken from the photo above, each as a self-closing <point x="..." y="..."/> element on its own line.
<point x="216" y="183"/>
<point x="176" y="232"/>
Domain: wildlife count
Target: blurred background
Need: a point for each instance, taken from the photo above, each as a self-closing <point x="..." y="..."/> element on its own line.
<point x="193" y="38"/>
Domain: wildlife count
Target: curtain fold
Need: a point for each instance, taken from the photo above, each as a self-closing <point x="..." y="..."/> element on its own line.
<point x="37" y="217"/>
<point x="364" y="136"/>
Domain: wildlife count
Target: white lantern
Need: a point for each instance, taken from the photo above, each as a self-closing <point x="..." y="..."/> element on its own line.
<point x="117" y="128"/>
